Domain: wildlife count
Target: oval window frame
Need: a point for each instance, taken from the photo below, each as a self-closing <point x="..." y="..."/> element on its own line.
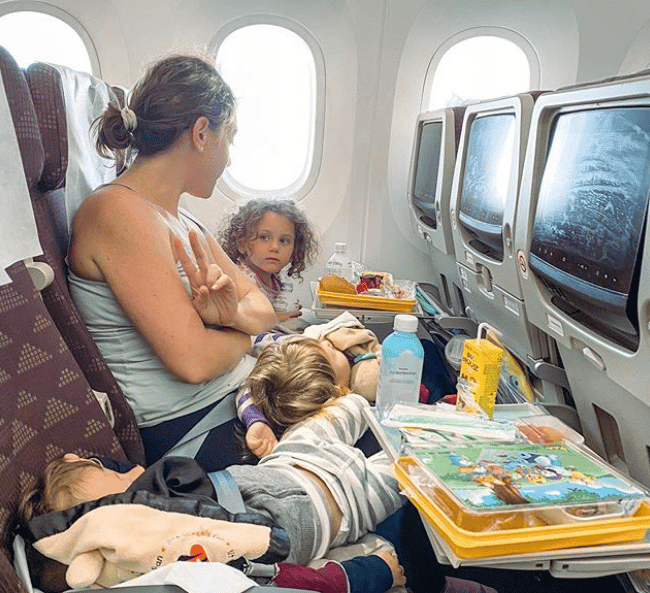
<point x="230" y="187"/>
<point x="62" y="15"/>
<point x="507" y="34"/>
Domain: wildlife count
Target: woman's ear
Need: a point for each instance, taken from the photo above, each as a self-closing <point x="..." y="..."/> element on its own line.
<point x="200" y="132"/>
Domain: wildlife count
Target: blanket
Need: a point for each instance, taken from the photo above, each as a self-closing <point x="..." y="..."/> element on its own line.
<point x="108" y="541"/>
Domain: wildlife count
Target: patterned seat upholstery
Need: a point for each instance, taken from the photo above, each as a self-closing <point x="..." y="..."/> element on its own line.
<point x="47" y="406"/>
<point x="49" y="210"/>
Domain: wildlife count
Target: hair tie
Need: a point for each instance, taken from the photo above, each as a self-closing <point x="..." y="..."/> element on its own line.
<point x="129" y="118"/>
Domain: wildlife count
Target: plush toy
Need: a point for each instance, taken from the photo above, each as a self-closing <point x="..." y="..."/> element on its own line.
<point x="359" y="344"/>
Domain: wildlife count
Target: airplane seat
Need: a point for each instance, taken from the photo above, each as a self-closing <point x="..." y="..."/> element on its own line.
<point x="50" y="210"/>
<point x="46" y="405"/>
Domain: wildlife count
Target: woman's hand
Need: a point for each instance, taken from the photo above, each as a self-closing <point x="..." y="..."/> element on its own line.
<point x="260" y="439"/>
<point x="214" y="294"/>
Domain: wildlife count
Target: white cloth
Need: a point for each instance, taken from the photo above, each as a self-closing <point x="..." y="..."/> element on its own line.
<point x="86" y="98"/>
<point x="320" y="330"/>
<point x="196" y="577"/>
<point x="16" y="214"/>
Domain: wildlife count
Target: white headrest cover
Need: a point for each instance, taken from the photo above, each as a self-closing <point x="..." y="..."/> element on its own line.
<point x="86" y="98"/>
<point x="16" y="214"/>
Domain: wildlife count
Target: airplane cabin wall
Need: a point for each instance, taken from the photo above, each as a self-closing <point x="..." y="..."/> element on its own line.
<point x="376" y="55"/>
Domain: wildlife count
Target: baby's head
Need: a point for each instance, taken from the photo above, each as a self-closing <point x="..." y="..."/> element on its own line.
<point x="66" y="482"/>
<point x="295" y="378"/>
<point x="257" y="222"/>
<point x="72" y="480"/>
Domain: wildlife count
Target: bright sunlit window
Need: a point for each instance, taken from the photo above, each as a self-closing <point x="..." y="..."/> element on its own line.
<point x="273" y="75"/>
<point x="37" y="37"/>
<point x="479" y="68"/>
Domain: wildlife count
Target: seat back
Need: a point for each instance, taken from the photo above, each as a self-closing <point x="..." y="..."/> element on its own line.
<point x="49" y="202"/>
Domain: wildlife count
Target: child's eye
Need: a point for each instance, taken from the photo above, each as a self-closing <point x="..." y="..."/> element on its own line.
<point x="264" y="237"/>
<point x="286" y="240"/>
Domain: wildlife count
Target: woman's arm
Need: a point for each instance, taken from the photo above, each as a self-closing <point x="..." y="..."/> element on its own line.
<point x="255" y="313"/>
<point x="119" y="239"/>
<point x="222" y="293"/>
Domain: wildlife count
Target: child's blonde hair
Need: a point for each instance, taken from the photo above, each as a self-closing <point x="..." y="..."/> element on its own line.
<point x="60" y="487"/>
<point x="292" y="380"/>
<point x="242" y="226"/>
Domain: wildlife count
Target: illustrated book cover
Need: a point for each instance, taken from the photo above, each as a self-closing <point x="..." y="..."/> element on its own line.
<point x="489" y="476"/>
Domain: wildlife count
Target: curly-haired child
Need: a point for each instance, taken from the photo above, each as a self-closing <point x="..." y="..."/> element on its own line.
<point x="265" y="236"/>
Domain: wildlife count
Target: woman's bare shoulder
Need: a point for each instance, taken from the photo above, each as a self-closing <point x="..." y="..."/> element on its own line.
<point x="111" y="201"/>
<point x="113" y="224"/>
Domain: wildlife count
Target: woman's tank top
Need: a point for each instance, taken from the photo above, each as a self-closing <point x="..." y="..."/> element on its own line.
<point x="153" y="392"/>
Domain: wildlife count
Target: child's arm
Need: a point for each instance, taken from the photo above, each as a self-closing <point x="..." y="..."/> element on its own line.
<point x="289" y="315"/>
<point x="260" y="439"/>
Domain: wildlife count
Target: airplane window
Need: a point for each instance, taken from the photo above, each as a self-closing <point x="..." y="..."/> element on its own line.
<point x="479" y="68"/>
<point x="272" y="73"/>
<point x="31" y="36"/>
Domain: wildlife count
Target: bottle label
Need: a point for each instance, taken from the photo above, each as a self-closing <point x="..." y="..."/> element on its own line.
<point x="399" y="381"/>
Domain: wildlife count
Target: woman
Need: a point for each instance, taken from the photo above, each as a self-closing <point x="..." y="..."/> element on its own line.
<point x="170" y="312"/>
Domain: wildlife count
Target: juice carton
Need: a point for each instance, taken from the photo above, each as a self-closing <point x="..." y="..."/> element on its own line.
<point x="479" y="376"/>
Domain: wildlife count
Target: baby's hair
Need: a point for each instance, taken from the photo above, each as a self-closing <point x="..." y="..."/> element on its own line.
<point x="243" y="225"/>
<point x="60" y="487"/>
<point x="174" y="92"/>
<point x="291" y="381"/>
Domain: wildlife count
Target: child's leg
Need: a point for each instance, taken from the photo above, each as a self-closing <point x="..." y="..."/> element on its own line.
<point x="361" y="574"/>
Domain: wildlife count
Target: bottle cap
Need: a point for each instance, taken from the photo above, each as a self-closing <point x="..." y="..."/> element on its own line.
<point x="405" y="323"/>
<point x="340" y="247"/>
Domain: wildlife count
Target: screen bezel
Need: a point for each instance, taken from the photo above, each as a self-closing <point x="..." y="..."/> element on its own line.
<point x="608" y="314"/>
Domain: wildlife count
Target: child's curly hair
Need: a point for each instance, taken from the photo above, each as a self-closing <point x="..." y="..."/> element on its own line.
<point x="291" y="381"/>
<point x="243" y="224"/>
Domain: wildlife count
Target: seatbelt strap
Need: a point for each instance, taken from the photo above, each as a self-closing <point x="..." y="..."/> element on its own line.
<point x="224" y="411"/>
<point x="228" y="494"/>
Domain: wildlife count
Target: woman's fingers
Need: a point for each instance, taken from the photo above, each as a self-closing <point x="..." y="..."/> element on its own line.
<point x="181" y="256"/>
<point x="199" y="254"/>
<point x="221" y="282"/>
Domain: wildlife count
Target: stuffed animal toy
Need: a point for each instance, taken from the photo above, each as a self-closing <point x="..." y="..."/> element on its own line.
<point x="359" y="344"/>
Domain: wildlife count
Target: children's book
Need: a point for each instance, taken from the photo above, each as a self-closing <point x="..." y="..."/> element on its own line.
<point x="486" y="476"/>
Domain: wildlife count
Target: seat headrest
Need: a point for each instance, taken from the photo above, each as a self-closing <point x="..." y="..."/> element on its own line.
<point x="24" y="118"/>
<point x="44" y="83"/>
<point x="68" y="103"/>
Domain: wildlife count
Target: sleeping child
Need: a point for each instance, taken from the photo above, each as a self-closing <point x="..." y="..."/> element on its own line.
<point x="315" y="484"/>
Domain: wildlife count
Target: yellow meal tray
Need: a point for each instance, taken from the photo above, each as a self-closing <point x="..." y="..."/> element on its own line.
<point x="484" y="544"/>
<point x="365" y="302"/>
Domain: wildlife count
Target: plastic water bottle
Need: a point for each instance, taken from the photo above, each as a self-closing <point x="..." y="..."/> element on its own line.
<point x="339" y="263"/>
<point x="400" y="370"/>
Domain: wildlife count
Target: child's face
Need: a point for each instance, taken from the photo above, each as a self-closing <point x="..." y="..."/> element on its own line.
<point x="272" y="247"/>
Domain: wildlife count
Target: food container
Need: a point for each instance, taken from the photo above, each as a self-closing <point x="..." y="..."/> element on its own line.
<point x="385" y="303"/>
<point x="547" y="429"/>
<point x="473" y="534"/>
